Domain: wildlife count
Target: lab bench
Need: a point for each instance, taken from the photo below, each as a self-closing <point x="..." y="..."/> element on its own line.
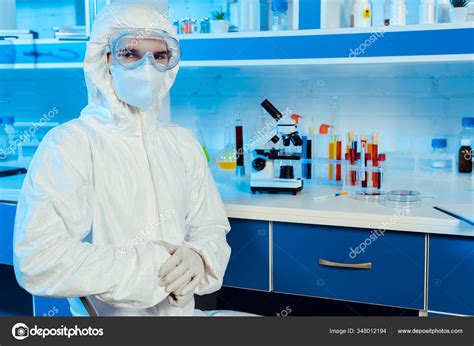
<point x="337" y="248"/>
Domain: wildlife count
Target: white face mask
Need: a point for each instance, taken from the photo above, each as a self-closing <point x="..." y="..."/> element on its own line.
<point x="138" y="87"/>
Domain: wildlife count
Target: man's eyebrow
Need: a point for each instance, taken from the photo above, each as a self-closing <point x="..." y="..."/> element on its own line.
<point x="125" y="49"/>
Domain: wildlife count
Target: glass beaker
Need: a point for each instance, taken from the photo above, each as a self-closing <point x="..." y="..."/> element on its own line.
<point x="227" y="158"/>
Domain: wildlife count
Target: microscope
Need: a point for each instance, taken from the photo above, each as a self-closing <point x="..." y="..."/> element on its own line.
<point x="277" y="169"/>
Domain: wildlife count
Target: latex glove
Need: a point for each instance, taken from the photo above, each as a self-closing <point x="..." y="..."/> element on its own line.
<point x="182" y="272"/>
<point x="180" y="301"/>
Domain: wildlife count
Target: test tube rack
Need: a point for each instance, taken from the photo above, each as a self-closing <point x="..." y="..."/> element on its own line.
<point x="352" y="176"/>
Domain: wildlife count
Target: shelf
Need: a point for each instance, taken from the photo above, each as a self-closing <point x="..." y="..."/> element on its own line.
<point x="407" y="44"/>
<point x="313" y="47"/>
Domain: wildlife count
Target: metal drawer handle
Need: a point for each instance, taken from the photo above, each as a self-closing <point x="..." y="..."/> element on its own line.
<point x="323" y="262"/>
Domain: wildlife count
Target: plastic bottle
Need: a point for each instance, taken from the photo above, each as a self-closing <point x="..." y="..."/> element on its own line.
<point x="361" y="14"/>
<point x="439" y="146"/>
<point x="467" y="131"/>
<point x="465" y="156"/>
<point x="427" y="13"/>
<point x="398" y="13"/>
<point x="233" y="15"/>
<point x="249" y="15"/>
<point x="280" y="15"/>
<point x="442" y="11"/>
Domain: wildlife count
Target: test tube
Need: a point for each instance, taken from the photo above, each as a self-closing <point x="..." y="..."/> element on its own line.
<point x="331" y="157"/>
<point x="239" y="148"/>
<point x="382" y="158"/>
<point x="375" y="161"/>
<point x="363" y="159"/>
<point x="338" y="157"/>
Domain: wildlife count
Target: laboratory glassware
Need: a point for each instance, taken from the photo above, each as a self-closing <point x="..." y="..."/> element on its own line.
<point x="233" y="15"/>
<point x="239" y="147"/>
<point x="205" y="25"/>
<point x="249" y="15"/>
<point x="442" y="11"/>
<point x="427" y="12"/>
<point x="200" y="138"/>
<point x="177" y="26"/>
<point x="403" y="199"/>
<point x="280" y="15"/>
<point x="439" y="146"/>
<point x="227" y="158"/>
<point x="361" y="14"/>
<point x="398" y="12"/>
<point x="467" y="129"/>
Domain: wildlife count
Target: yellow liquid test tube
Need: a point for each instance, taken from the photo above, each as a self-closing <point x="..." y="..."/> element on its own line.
<point x="332" y="150"/>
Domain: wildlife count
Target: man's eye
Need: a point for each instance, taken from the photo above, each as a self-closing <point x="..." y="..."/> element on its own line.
<point x="127" y="55"/>
<point x="162" y="56"/>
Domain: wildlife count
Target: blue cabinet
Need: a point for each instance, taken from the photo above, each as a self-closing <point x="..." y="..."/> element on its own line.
<point x="249" y="265"/>
<point x="349" y="264"/>
<point x="451" y="274"/>
<point x="7" y="221"/>
<point x="51" y="307"/>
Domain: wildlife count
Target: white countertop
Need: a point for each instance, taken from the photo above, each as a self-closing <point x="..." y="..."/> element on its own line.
<point x="346" y="211"/>
<point x="342" y="211"/>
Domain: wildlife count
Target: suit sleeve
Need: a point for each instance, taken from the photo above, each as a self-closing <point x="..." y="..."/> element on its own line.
<point x="54" y="216"/>
<point x="206" y="220"/>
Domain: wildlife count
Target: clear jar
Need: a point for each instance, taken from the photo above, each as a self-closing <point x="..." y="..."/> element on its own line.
<point x="467" y="131"/>
<point x="440" y="150"/>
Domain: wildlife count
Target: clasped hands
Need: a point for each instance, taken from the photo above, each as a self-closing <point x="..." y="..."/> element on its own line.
<point x="181" y="274"/>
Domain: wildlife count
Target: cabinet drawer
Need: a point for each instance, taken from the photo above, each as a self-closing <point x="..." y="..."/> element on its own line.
<point x="451" y="274"/>
<point x="249" y="265"/>
<point x="396" y="261"/>
<point x="7" y="221"/>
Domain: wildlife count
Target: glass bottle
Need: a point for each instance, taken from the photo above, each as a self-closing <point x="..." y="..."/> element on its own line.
<point x="465" y="156"/>
<point x="439" y="146"/>
<point x="280" y="15"/>
<point x="467" y="129"/>
<point x="233" y="15"/>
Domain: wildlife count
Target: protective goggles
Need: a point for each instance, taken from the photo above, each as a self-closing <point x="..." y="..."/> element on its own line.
<point x="132" y="48"/>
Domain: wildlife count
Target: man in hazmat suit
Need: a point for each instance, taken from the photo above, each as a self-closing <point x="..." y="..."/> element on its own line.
<point x="117" y="205"/>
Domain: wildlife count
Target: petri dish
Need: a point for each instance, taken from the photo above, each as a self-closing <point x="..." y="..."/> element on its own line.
<point x="403" y="199"/>
<point x="369" y="196"/>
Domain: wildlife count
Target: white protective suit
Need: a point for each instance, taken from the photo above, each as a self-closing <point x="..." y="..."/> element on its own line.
<point x="103" y="190"/>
